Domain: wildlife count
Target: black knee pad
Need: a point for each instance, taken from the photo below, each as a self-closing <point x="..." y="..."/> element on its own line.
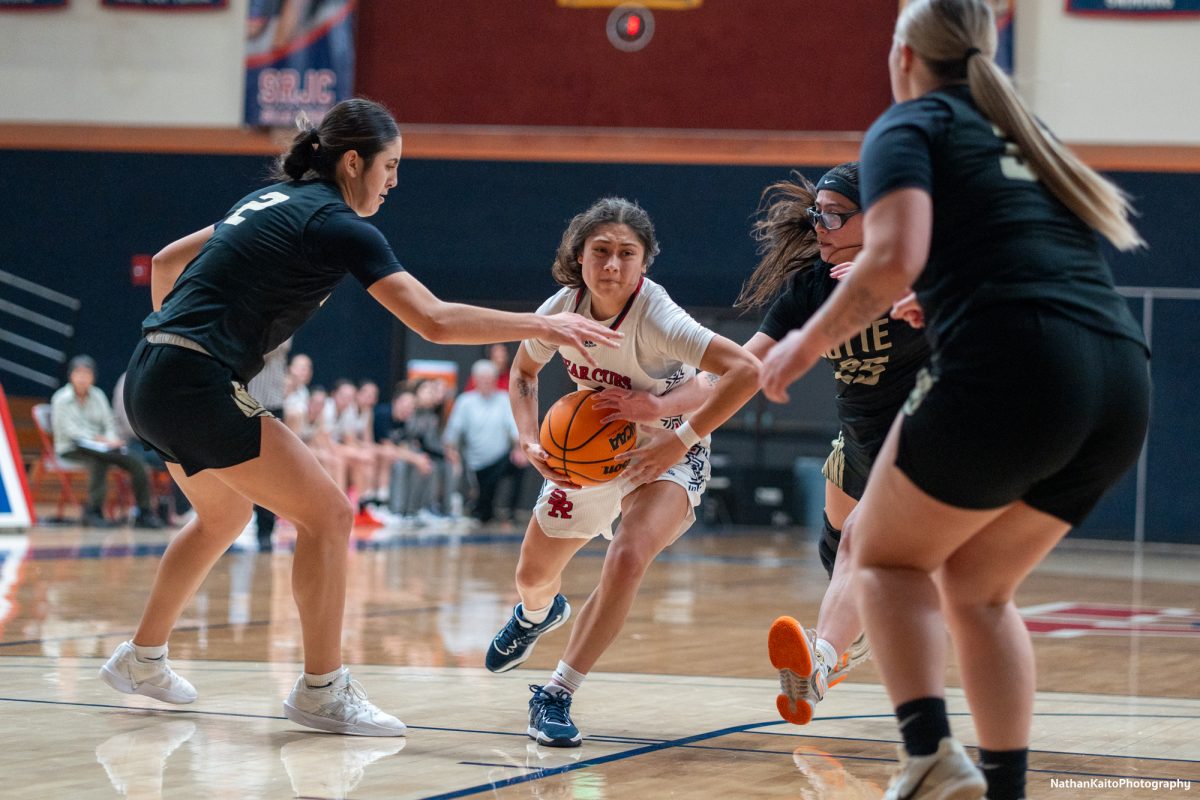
<point x="828" y="547"/>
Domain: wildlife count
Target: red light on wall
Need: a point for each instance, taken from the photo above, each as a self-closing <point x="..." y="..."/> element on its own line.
<point x="630" y="27"/>
<point x="139" y="269"/>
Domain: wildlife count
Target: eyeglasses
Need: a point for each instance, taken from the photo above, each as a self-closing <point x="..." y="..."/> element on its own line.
<point x="829" y="220"/>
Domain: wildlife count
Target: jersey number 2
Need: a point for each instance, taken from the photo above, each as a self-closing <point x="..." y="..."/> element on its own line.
<point x="264" y="201"/>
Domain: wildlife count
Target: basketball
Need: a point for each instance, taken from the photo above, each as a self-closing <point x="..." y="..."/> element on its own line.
<point x="579" y="446"/>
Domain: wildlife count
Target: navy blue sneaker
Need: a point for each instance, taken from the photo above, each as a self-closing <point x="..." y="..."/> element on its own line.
<point x="514" y="643"/>
<point x="550" y="718"/>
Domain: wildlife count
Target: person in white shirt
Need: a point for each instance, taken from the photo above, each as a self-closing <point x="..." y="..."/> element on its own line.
<point x="482" y="432"/>
<point x="601" y="264"/>
<point x="85" y="430"/>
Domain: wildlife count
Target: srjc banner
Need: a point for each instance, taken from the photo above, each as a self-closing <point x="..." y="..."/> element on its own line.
<point x="299" y="57"/>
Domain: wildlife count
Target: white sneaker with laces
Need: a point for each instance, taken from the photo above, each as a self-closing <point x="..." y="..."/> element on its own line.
<point x="947" y="774"/>
<point x="126" y="673"/>
<point x="340" y="707"/>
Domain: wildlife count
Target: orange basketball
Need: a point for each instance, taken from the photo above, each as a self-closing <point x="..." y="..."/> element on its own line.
<point x="579" y="446"/>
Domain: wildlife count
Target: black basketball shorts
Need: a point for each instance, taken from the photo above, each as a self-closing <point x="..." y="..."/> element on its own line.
<point x="1024" y="404"/>
<point x="849" y="463"/>
<point x="191" y="408"/>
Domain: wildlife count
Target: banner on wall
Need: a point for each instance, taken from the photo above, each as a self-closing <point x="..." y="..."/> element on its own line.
<point x="16" y="504"/>
<point x="1135" y="8"/>
<point x="166" y="5"/>
<point x="299" y="57"/>
<point x="19" y="5"/>
<point x="1005" y="10"/>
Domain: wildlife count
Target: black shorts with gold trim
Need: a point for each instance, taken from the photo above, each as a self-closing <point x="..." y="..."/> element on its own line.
<point x="191" y="408"/>
<point x="1023" y="403"/>
<point x="849" y="463"/>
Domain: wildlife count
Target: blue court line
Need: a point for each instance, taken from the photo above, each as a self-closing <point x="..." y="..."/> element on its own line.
<point x="686" y="742"/>
<point x="591" y="762"/>
<point x="503" y="766"/>
<point x="213" y="626"/>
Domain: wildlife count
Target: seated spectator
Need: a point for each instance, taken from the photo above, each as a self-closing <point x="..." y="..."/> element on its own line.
<point x="346" y="430"/>
<point x="425" y="432"/>
<point x="410" y="469"/>
<point x="85" y="431"/>
<point x="311" y="425"/>
<point x="483" y="430"/>
<point x="295" y="401"/>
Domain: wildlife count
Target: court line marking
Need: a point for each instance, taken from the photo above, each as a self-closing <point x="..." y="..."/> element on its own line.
<point x="207" y="627"/>
<point x="686" y="742"/>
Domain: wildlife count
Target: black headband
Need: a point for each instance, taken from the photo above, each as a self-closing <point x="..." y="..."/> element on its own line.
<point x="836" y="182"/>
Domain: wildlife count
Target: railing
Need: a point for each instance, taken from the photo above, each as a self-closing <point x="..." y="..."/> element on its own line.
<point x="50" y="334"/>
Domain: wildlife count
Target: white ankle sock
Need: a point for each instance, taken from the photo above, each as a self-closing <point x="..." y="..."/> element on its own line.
<point x="535" y="615"/>
<point x="567" y="678"/>
<point x="827" y="656"/>
<point x="323" y="680"/>
<point x="146" y="653"/>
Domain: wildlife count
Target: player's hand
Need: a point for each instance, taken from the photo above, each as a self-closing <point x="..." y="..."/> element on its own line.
<point x="841" y="270"/>
<point x="537" y="459"/>
<point x="657" y="451"/>
<point x="908" y="309"/>
<point x="628" y="404"/>
<point x="569" y="329"/>
<point x="784" y="365"/>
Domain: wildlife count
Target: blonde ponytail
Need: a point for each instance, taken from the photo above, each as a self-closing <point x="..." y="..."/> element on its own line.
<point x="954" y="37"/>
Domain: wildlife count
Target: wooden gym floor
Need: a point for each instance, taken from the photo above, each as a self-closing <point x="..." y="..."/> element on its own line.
<point x="681" y="706"/>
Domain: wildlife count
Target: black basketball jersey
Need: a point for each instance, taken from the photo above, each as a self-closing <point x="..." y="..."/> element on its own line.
<point x="998" y="234"/>
<point x="269" y="265"/>
<point x="875" y="369"/>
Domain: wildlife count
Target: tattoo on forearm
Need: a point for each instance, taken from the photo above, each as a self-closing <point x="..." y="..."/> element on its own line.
<point x="712" y="378"/>
<point x="526" y="388"/>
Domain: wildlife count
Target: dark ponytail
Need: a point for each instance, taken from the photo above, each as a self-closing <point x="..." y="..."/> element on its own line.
<point x="356" y="124"/>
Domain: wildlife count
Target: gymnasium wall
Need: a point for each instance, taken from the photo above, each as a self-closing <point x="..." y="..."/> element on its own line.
<point x="486" y="231"/>
<point x="739" y="64"/>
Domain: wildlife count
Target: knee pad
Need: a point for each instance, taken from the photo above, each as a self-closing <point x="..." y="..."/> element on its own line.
<point x="828" y="546"/>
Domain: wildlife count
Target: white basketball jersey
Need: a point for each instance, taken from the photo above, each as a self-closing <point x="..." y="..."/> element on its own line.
<point x="662" y="348"/>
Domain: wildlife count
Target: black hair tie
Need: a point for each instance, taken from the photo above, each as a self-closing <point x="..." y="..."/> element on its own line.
<point x="971" y="51"/>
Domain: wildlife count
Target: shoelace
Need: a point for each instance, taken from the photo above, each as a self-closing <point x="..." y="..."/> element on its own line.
<point x="512" y="634"/>
<point x="556" y="706"/>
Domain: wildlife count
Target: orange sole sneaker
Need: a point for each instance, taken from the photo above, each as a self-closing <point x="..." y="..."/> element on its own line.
<point x="792" y="655"/>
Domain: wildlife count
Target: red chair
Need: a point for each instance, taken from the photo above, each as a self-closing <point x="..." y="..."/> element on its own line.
<point x="50" y="463"/>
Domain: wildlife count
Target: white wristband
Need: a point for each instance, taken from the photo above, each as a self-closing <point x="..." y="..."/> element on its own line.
<point x="688" y="436"/>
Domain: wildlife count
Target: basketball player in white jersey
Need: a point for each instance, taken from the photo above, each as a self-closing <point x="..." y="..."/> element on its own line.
<point x="601" y="263"/>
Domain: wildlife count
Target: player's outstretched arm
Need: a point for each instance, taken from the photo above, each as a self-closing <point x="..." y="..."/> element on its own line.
<point x="457" y="323"/>
<point x="738" y="369"/>
<point x="168" y="264"/>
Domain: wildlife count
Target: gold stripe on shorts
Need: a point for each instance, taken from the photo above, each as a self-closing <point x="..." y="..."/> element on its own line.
<point x="835" y="465"/>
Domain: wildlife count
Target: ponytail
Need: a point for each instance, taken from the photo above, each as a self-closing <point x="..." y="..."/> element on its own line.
<point x="1092" y="198"/>
<point x="957" y="41"/>
<point x="356" y="124"/>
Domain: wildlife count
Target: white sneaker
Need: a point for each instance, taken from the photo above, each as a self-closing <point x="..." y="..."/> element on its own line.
<point x="126" y="673"/>
<point x="859" y="651"/>
<point x="947" y="774"/>
<point x="328" y="766"/>
<point x="340" y="707"/>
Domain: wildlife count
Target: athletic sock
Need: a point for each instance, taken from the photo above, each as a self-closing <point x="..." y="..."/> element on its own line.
<point x="534" y="615"/>
<point x="1005" y="772"/>
<point x="827" y="656"/>
<point x="146" y="653"/>
<point x="321" y="681"/>
<point x="567" y="678"/>
<point x="923" y="723"/>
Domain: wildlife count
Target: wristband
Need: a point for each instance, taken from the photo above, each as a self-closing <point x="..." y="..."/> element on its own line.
<point x="688" y="436"/>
